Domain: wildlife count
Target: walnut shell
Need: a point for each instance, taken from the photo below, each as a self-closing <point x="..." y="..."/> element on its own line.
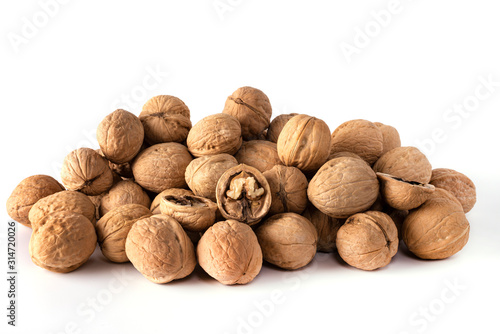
<point x="437" y="229"/>
<point x="390" y="136"/>
<point x="124" y="192"/>
<point x="194" y="213"/>
<point x="407" y="163"/>
<point x="251" y="107"/>
<point x="96" y="200"/>
<point x="260" y="154"/>
<point x="159" y="248"/>
<point x="401" y="194"/>
<point x="304" y="143"/>
<point x="122" y="170"/>
<point x="161" y="166"/>
<point x="326" y="226"/>
<point x="120" y="136"/>
<point x="343" y="187"/>
<point x="86" y="171"/>
<point x="62" y="241"/>
<point x="27" y="193"/>
<point x="229" y="252"/>
<point x="457" y="184"/>
<point x="165" y="119"/>
<point x="288" y="187"/>
<point x="344" y="154"/>
<point x="288" y="240"/>
<point x="215" y="134"/>
<point x="113" y="227"/>
<point x="155" y="205"/>
<point x="277" y="125"/>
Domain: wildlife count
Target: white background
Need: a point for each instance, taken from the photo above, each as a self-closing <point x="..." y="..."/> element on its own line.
<point x="61" y="79"/>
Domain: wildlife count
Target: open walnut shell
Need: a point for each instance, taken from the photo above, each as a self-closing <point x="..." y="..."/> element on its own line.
<point x="401" y="194"/>
<point x="194" y="213"/>
<point x="155" y="205"/>
<point x="407" y="163"/>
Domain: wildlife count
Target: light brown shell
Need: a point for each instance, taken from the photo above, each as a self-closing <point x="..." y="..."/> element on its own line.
<point x="159" y="248"/>
<point x="155" y="205"/>
<point x="27" y="193"/>
<point x="390" y="136"/>
<point x="368" y="240"/>
<point x="251" y="107"/>
<point x="260" y="154"/>
<point x="457" y="184"/>
<point x="326" y="226"/>
<point x="277" y="125"/>
<point x="161" y="166"/>
<point x="62" y="241"/>
<point x="288" y="240"/>
<point x="194" y="213"/>
<point x="215" y="134"/>
<point x="86" y="171"/>
<point x="407" y="163"/>
<point x="401" y="194"/>
<point x="122" y="170"/>
<point x="343" y="187"/>
<point x="229" y="252"/>
<point x="344" y="154"/>
<point x="96" y="200"/>
<point x="113" y="227"/>
<point x="124" y="192"/>
<point x="304" y="143"/>
<point x="288" y="187"/>
<point x="120" y="136"/>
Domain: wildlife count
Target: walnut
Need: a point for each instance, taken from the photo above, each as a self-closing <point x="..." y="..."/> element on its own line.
<point x="96" y="200"/>
<point x="124" y="192"/>
<point x="390" y="136"/>
<point x="194" y="213"/>
<point x="229" y="252"/>
<point x="457" y="184"/>
<point x="260" y="154"/>
<point x="326" y="226"/>
<point x="277" y="125"/>
<point x="407" y="163"/>
<point x="401" y="194"/>
<point x="155" y="205"/>
<point x="161" y="166"/>
<point x="27" y="193"/>
<point x="120" y="170"/>
<point x="344" y="154"/>
<point x="159" y="248"/>
<point x="288" y="187"/>
<point x="251" y="107"/>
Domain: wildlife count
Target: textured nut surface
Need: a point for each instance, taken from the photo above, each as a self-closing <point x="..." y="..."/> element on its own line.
<point x="27" y="193"/>
<point x="457" y="184"/>
<point x="368" y="240"/>
<point x="343" y="187"/>
<point x="120" y="136"/>
<point x="288" y="240"/>
<point x="215" y="134"/>
<point x="159" y="248"/>
<point x="260" y="154"/>
<point x="288" y="187"/>
<point x="161" y="166"/>
<point x="344" y="154"/>
<point x="407" y="163"/>
<point x="229" y="252"/>
<point x="194" y="213"/>
<point x="326" y="226"/>
<point x="155" y="205"/>
<point x="390" y="136"/>
<point x="251" y="107"/>
<point x="112" y="230"/>
<point x="277" y="125"/>
<point x="401" y="194"/>
<point x="62" y="241"/>
<point x="124" y="192"/>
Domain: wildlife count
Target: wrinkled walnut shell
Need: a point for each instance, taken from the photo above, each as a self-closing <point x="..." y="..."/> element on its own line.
<point x="260" y="154"/>
<point x="390" y="136"/>
<point x="155" y="205"/>
<point x="401" y="194"/>
<point x="457" y="184"/>
<point x="407" y="163"/>
<point x="194" y="213"/>
<point x="277" y="125"/>
<point x="288" y="187"/>
<point x="326" y="226"/>
<point x="124" y="192"/>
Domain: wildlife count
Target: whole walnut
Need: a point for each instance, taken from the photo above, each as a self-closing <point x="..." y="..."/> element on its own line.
<point x="155" y="205"/>
<point x="288" y="240"/>
<point x="457" y="184"/>
<point x="27" y="193"/>
<point x="161" y="166"/>
<point x="304" y="143"/>
<point x="229" y="252"/>
<point x="120" y="136"/>
<point x="390" y="136"/>
<point x="407" y="163"/>
<point x="251" y="107"/>
<point x="260" y="154"/>
<point x="277" y="125"/>
<point x="124" y="192"/>
<point x="401" y="194"/>
<point x="215" y="134"/>
<point x="62" y="241"/>
<point x="159" y="249"/>
<point x="194" y="213"/>
<point x="368" y="240"/>
<point x="326" y="226"/>
<point x="203" y="173"/>
<point x="343" y="187"/>
<point x="288" y="187"/>
<point x="86" y="171"/>
<point x="358" y="136"/>
<point x="113" y="227"/>
<point x="165" y="119"/>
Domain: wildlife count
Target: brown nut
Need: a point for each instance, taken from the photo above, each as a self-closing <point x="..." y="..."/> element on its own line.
<point x="390" y="136"/>
<point x="120" y="136"/>
<point x="260" y="154"/>
<point x="229" y="252"/>
<point x="62" y="241"/>
<point x="277" y="125"/>
<point x="288" y="240"/>
<point x="161" y="166"/>
<point x="288" y="187"/>
<point x="159" y="248"/>
<point x="194" y="213"/>
<point x="122" y="170"/>
<point x="407" y="163"/>
<point x="96" y="200"/>
<point x="165" y="119"/>
<point x="67" y="200"/>
<point x="215" y="134"/>
<point x="368" y="240"/>
<point x="113" y="227"/>
<point x="243" y="194"/>
<point x="457" y="184"/>
<point x="343" y="187"/>
<point x="155" y="205"/>
<point x="251" y="107"/>
<point x="344" y="154"/>
<point x="27" y="193"/>
<point x="304" y="143"/>
<point x="401" y="194"/>
<point x="326" y="226"/>
<point x="86" y="171"/>
<point x="437" y="229"/>
<point x="124" y="192"/>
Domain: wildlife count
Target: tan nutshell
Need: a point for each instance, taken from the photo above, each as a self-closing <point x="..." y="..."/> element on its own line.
<point x="113" y="227"/>
<point x="288" y="240"/>
<point x="194" y="213"/>
<point x="288" y="187"/>
<point x="261" y="154"/>
<point x="407" y="163"/>
<point x="161" y="166"/>
<point x="96" y="200"/>
<point x="62" y="241"/>
<point x="368" y="240"/>
<point x="124" y="192"/>
<point x="326" y="226"/>
<point x="155" y="205"/>
<point x="344" y="154"/>
<point x="159" y="249"/>
<point x="122" y="169"/>
<point x="277" y="125"/>
<point x="457" y="184"/>
<point x="229" y="252"/>
<point x="401" y="194"/>
<point x="27" y="193"/>
<point x="390" y="136"/>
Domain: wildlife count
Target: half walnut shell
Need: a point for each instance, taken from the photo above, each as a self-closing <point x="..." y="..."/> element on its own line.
<point x="401" y="194"/>
<point x="194" y="213"/>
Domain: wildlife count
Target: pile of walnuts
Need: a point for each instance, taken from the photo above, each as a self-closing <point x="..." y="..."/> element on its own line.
<point x="235" y="189"/>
